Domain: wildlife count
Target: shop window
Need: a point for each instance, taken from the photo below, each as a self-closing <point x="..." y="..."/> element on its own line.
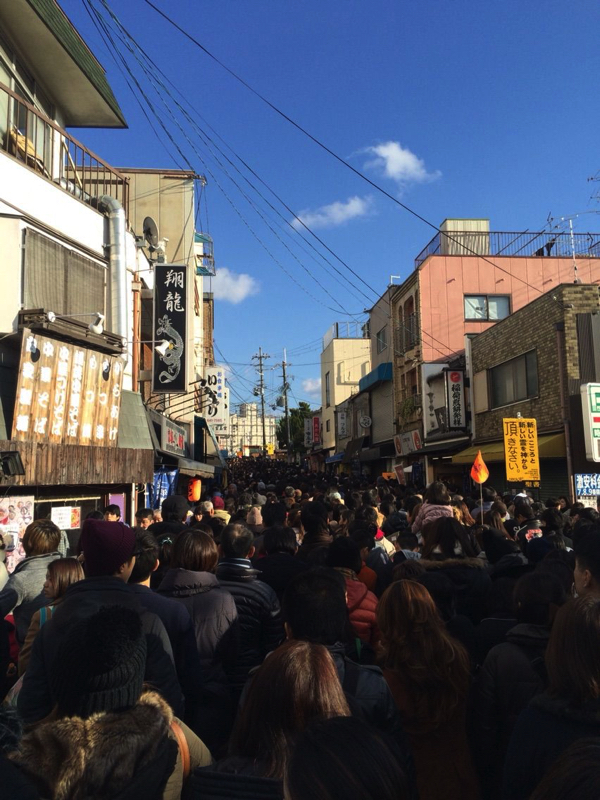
<point x="515" y="380"/>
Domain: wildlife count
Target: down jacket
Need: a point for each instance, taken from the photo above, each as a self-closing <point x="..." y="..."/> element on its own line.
<point x="362" y="607"/>
<point x="471" y="582"/>
<point x="512" y="674"/>
<point x="429" y="512"/>
<point x="259" y="614"/>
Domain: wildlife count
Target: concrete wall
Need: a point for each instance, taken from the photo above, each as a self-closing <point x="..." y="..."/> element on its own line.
<point x="346" y="361"/>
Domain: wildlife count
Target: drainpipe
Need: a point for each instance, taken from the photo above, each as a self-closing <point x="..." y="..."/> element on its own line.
<point x="117" y="263"/>
<point x="559" y="327"/>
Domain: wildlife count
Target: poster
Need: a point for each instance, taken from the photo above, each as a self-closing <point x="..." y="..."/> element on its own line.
<point x="66" y="518"/>
<point x="15" y="515"/>
<point x="521" y="449"/>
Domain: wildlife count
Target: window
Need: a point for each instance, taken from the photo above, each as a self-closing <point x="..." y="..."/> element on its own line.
<point x="514" y="380"/>
<point x="381" y="339"/>
<point x="327" y="425"/>
<point x="487" y="307"/>
<point x="327" y="390"/>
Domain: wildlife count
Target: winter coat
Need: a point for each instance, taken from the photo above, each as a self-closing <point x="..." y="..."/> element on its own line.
<point x="3" y="571"/>
<point x="32" y="632"/>
<point x="512" y="674"/>
<point x="442" y="758"/>
<point x="214" y="618"/>
<point x="543" y="731"/>
<point x="121" y="754"/>
<point x="362" y="607"/>
<point x="492" y="631"/>
<point x="278" y="569"/>
<point x="430" y="512"/>
<point x="232" y="777"/>
<point x="259" y="614"/>
<point x="471" y="582"/>
<point x="23" y="593"/>
<point x="82" y="600"/>
<point x="15" y="783"/>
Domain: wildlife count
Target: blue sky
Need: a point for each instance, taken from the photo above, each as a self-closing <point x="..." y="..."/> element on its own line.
<point x="463" y="109"/>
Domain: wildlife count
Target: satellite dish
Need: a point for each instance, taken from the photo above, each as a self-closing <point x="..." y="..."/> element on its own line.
<point x="150" y="232"/>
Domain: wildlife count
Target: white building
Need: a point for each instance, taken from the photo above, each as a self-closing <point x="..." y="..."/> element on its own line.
<point x="247" y="432"/>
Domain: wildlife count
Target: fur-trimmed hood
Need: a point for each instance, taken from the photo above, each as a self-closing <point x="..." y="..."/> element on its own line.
<point x="110" y="755"/>
<point x="452" y="563"/>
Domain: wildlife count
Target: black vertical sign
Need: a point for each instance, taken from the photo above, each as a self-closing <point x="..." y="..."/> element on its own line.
<point x="170" y="325"/>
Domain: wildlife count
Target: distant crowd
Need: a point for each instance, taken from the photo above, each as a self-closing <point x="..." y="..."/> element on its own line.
<point x="309" y="637"/>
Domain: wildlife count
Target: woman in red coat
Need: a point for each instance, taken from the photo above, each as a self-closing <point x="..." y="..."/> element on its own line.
<point x="344" y="556"/>
<point x="428" y="674"/>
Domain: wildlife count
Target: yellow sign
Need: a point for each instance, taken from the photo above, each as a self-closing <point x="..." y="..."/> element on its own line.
<point x="521" y="450"/>
<point x="270" y="449"/>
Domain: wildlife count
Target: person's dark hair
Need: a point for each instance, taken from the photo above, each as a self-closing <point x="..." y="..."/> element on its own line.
<point x="236" y="541"/>
<point x="41" y="536"/>
<point x="296" y="684"/>
<point x="488" y="493"/>
<point x="553" y="519"/>
<point x="590" y="515"/>
<point x="314" y="518"/>
<point x="537" y="596"/>
<point x="202" y="526"/>
<point x="552" y="502"/>
<point x="314" y="606"/>
<point x="496" y="545"/>
<point x="433" y="667"/>
<point x="561" y="564"/>
<point x="63" y="572"/>
<point x="113" y="508"/>
<point x="144" y="513"/>
<point x="494" y="518"/>
<point x="369" y="500"/>
<point x="194" y="550"/>
<point x="146" y="556"/>
<point x="344" y="553"/>
<point x="279" y="539"/>
<point x="367" y="514"/>
<point x="95" y="514"/>
<point x="587" y="553"/>
<point x="437" y="494"/>
<point x="274" y="514"/>
<point x="573" y="654"/>
<point x="408" y="540"/>
<point x="575" y="775"/>
<point x="409" y="503"/>
<point x="387" y="507"/>
<point x="447" y="535"/>
<point x="409" y="570"/>
<point x="443" y="592"/>
<point x="567" y="501"/>
<point x="363" y="533"/>
<point x="344" y="757"/>
<point x="523" y="509"/>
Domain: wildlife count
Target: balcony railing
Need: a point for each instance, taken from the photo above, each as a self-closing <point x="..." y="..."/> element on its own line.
<point x="553" y="244"/>
<point x="407" y="334"/>
<point x="42" y="146"/>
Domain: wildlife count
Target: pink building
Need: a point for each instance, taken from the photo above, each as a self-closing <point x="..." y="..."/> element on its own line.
<point x="464" y="281"/>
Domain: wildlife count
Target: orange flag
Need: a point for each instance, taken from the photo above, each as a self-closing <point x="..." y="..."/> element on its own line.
<point x="479" y="472"/>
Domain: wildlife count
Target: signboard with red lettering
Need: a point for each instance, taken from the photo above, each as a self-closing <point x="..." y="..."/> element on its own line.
<point x="173" y="437"/>
<point x="66" y="393"/>
<point x="316" y="437"/>
<point x="455" y="394"/>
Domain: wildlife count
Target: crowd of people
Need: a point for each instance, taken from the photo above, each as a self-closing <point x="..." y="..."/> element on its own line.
<point x="309" y="637"/>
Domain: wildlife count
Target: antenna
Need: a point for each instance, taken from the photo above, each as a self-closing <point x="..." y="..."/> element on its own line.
<point x="150" y="232"/>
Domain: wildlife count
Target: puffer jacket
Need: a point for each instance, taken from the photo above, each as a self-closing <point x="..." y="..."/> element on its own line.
<point x="259" y="614"/>
<point x="23" y="593"/>
<point x="471" y="582"/>
<point x="429" y="512"/>
<point x="134" y="754"/>
<point x="362" y="607"/>
<point x="214" y="617"/>
<point x="511" y="675"/>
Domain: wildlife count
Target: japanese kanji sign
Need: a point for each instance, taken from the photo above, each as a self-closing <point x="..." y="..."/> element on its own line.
<point x="587" y="485"/>
<point x="455" y="392"/>
<point x="521" y="450"/>
<point x="590" y="400"/>
<point x="67" y="394"/>
<point x="170" y="328"/>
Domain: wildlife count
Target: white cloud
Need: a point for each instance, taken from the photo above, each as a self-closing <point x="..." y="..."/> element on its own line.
<point x="399" y="163"/>
<point x="335" y="213"/>
<point x="233" y="286"/>
<point x="312" y="387"/>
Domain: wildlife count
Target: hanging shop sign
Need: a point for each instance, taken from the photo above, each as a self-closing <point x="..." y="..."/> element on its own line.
<point x="173" y="437"/>
<point x="170" y="328"/>
<point x="67" y="394"/>
<point x="590" y="406"/>
<point x="308" y="432"/>
<point x="521" y="450"/>
<point x="316" y="430"/>
<point x="587" y="485"/>
<point x="342" y="427"/>
<point x="216" y="400"/>
<point x="455" y="393"/>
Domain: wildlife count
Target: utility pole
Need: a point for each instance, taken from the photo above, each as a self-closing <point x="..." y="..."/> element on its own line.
<point x="284" y="392"/>
<point x="261" y="388"/>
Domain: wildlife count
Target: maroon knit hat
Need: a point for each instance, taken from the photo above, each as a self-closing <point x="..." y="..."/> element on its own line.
<point x="105" y="546"/>
<point x="218" y="503"/>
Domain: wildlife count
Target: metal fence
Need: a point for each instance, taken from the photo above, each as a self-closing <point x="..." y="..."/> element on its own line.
<point x="42" y="146"/>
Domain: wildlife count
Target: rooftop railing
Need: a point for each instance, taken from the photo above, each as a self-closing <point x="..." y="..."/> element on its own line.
<point x="549" y="244"/>
<point x="42" y="146"/>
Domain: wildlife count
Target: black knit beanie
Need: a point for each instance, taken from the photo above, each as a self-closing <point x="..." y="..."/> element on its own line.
<point x="100" y="664"/>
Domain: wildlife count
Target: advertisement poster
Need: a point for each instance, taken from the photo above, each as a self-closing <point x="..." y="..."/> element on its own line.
<point x="66" y="518"/>
<point x="15" y="515"/>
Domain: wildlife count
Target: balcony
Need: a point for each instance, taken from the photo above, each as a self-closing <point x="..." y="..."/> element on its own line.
<point x="43" y="147"/>
<point x="346" y="330"/>
<point x="549" y="244"/>
<point x="407" y="335"/>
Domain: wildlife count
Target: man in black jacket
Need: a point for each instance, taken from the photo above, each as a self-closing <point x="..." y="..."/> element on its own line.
<point x="108" y="552"/>
<point x="257" y="605"/>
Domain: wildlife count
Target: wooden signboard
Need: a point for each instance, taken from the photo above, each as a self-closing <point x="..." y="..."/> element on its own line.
<point x="67" y="394"/>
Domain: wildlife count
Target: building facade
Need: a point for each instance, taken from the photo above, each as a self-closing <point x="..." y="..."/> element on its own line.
<point x="246" y="430"/>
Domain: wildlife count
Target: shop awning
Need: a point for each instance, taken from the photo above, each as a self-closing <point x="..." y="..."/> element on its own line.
<point x="195" y="469"/>
<point x="334" y="459"/>
<point x="437" y="448"/>
<point x="134" y="432"/>
<point x="383" y="450"/>
<point x="353" y="448"/>
<point x="550" y="445"/>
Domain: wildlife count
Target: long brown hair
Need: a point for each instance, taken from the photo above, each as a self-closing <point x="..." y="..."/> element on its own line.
<point x="63" y="572"/>
<point x="444" y="536"/>
<point x="296" y="684"/>
<point x="432" y="665"/>
<point x="462" y="514"/>
<point x="573" y="654"/>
